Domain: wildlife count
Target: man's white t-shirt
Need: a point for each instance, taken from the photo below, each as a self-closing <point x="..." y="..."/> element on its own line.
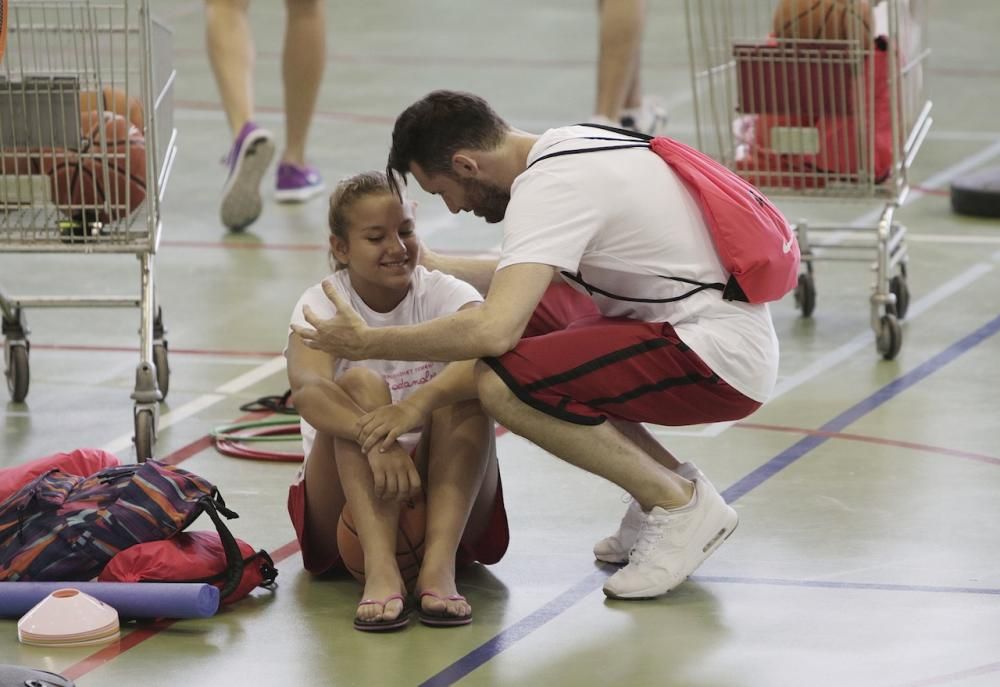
<point x="431" y="295"/>
<point x="622" y="222"/>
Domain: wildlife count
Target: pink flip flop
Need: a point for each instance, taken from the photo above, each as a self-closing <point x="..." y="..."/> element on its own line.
<point x="442" y="618"/>
<point x="397" y="623"/>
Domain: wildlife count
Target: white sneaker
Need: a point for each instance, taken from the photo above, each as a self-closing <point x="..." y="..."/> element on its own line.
<point x="672" y="544"/>
<point x="649" y="118"/>
<point x="614" y="549"/>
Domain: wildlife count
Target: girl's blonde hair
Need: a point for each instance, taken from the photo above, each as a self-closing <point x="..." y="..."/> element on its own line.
<point x="348" y="192"/>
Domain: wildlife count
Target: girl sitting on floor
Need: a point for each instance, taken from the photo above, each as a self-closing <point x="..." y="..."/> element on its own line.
<point x="375" y="252"/>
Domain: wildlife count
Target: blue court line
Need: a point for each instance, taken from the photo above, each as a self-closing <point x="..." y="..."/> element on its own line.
<point x="511" y="635"/>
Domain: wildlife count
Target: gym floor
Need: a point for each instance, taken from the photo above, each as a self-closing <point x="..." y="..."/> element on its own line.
<point x="867" y="490"/>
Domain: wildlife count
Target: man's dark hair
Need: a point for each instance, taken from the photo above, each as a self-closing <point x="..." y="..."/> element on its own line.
<point x="432" y="129"/>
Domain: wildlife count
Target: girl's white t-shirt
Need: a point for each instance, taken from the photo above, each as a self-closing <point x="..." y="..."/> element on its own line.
<point x="432" y="295"/>
<point x="623" y="222"/>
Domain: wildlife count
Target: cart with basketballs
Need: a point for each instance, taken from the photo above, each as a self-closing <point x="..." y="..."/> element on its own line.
<point x="86" y="146"/>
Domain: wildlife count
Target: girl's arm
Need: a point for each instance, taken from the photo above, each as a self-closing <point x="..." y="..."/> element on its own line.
<point x="319" y="400"/>
<point x="328" y="408"/>
<point x="382" y="426"/>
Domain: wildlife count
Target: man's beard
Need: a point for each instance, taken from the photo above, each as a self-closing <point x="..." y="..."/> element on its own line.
<point x="486" y="200"/>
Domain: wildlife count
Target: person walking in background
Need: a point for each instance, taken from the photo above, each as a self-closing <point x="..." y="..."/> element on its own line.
<point x="231" y="52"/>
<point x="619" y="100"/>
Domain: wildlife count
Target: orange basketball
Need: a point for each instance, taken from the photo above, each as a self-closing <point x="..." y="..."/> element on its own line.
<point x="117" y="101"/>
<point x="106" y="179"/>
<point x="409" y="542"/>
<point x="824" y="20"/>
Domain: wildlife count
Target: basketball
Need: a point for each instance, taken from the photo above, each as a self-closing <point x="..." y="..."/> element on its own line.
<point x="409" y="542"/>
<point x="117" y="102"/>
<point x="824" y="20"/>
<point x="106" y="179"/>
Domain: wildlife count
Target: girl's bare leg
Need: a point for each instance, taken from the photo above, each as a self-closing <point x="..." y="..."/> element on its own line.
<point x="461" y="487"/>
<point x="375" y="519"/>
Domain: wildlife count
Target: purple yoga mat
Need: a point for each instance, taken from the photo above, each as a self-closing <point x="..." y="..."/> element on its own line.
<point x="130" y="599"/>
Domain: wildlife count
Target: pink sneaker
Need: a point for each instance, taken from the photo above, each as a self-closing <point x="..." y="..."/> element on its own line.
<point x="297" y="184"/>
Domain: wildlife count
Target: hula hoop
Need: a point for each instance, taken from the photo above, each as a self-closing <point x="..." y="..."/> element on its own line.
<point x="230" y="439"/>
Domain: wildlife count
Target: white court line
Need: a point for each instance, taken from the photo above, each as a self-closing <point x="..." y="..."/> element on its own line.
<point x="275" y="364"/>
<point x="190" y="408"/>
<point x="174" y="416"/>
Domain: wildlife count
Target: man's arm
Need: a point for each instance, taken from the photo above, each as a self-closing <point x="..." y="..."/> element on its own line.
<point x="490" y="330"/>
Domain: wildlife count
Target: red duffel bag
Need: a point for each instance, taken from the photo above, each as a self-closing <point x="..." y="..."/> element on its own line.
<point x="190" y="557"/>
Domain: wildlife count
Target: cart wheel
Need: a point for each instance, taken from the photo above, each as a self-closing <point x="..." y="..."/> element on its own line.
<point x="162" y="368"/>
<point x="805" y="294"/>
<point x="17" y="372"/>
<point x="890" y="337"/>
<point x="144" y="435"/>
<point x="897" y="285"/>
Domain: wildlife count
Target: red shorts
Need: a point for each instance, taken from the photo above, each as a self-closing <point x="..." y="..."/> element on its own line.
<point x="489" y="549"/>
<point x="579" y="366"/>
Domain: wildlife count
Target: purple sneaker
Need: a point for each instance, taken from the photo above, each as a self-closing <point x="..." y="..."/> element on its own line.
<point x="248" y="159"/>
<point x="297" y="184"/>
